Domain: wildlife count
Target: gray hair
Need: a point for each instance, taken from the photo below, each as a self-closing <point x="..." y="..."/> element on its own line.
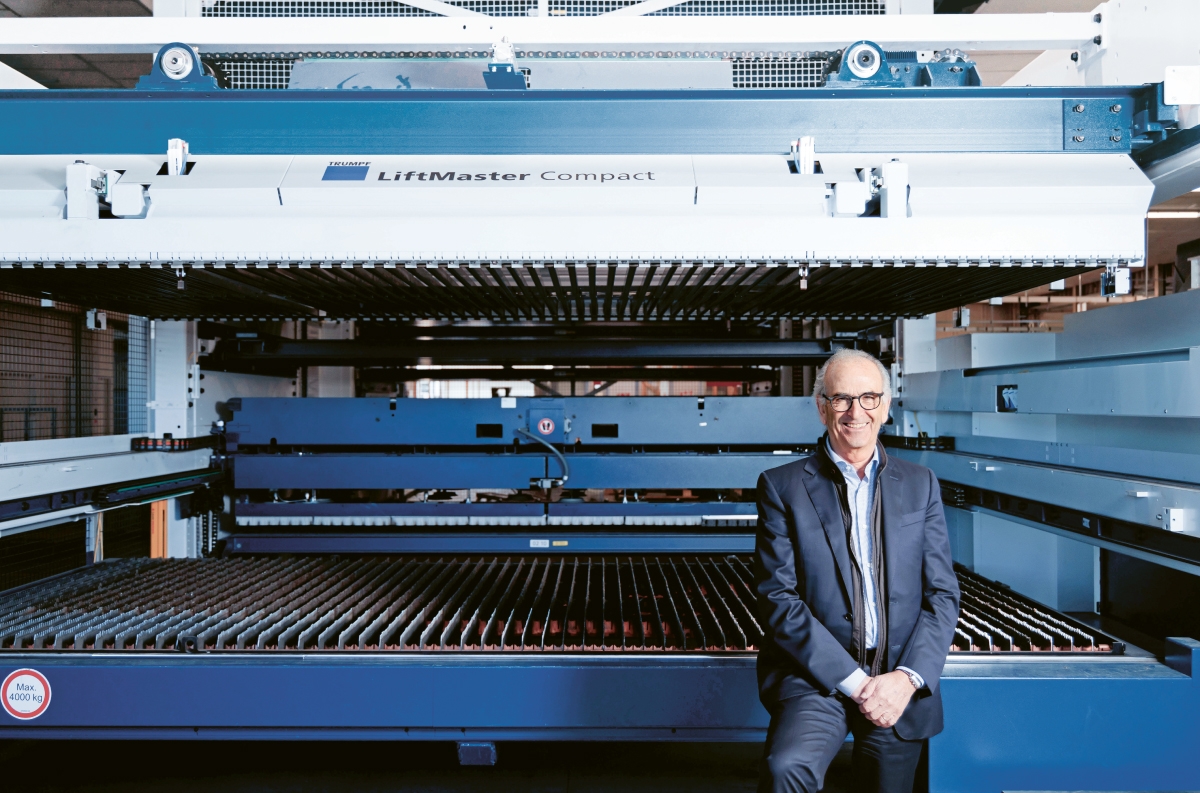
<point x="845" y="355"/>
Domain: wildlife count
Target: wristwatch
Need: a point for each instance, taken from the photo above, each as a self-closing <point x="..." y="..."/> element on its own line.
<point x="912" y="678"/>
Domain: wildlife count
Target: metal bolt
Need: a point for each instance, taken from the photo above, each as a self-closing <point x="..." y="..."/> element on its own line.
<point x="1078" y="139"/>
<point x="1115" y="138"/>
<point x="1114" y="109"/>
<point x="1097" y="40"/>
<point x="1078" y="108"/>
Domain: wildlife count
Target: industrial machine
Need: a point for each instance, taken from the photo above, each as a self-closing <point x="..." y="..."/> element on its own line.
<point x="580" y="567"/>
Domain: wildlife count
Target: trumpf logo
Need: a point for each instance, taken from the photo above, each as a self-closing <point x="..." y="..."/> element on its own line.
<point x="346" y="172"/>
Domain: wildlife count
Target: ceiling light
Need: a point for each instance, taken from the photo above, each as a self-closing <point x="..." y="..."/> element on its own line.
<point x="1173" y="215"/>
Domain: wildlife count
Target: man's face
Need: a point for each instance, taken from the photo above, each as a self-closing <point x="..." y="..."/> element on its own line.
<point x="856" y="428"/>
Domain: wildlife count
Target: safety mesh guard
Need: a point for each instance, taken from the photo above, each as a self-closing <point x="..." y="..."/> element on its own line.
<point x="511" y="8"/>
<point x="779" y="72"/>
<point x="264" y="74"/>
<point x="312" y="8"/>
<point x="725" y="8"/>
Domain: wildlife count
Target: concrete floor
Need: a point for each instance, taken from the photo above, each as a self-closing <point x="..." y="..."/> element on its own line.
<point x="304" y="767"/>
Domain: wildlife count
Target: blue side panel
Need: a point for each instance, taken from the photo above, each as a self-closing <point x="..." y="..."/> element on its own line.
<point x="369" y="471"/>
<point x="295" y="509"/>
<point x="421" y="509"/>
<point x="427" y="693"/>
<point x="782" y="421"/>
<point x="1074" y="730"/>
<point x="522" y="540"/>
<point x="458" y="471"/>
<point x="1069" y="725"/>
<point x="717" y="471"/>
<point x="779" y="421"/>
<point x="354" y="421"/>
<point x="542" y="122"/>
<point x="650" y="510"/>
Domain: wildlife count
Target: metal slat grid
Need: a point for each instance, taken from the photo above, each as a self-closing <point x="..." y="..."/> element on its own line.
<point x="993" y="618"/>
<point x="573" y="604"/>
<point x="541" y="290"/>
<point x="576" y="604"/>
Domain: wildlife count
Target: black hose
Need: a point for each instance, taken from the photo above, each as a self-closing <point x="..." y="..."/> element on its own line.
<point x="566" y="469"/>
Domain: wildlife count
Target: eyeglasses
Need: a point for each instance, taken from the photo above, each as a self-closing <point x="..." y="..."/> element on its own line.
<point x="842" y="402"/>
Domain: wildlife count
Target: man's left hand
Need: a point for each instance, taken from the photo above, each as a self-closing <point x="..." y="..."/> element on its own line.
<point x="884" y="698"/>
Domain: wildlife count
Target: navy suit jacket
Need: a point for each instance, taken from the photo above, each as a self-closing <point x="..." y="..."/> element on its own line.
<point x="803" y="580"/>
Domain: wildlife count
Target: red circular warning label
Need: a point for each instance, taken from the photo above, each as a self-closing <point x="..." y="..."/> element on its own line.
<point x="26" y="694"/>
<point x="546" y="426"/>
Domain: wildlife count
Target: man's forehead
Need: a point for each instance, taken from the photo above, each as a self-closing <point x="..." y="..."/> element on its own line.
<point x="853" y="370"/>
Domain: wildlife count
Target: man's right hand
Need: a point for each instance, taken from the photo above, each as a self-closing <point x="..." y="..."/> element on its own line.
<point x="884" y="698"/>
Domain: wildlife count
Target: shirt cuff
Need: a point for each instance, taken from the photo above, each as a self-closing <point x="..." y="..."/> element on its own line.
<point x="850" y="685"/>
<point x="920" y="681"/>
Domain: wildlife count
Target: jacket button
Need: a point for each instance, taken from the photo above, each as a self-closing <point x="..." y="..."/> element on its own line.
<point x="848" y="618"/>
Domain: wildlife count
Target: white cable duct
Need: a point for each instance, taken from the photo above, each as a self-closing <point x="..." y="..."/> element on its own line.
<point x="51" y="35"/>
<point x="961" y="209"/>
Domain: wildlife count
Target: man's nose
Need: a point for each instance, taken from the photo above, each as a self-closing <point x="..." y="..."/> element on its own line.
<point x="856" y="413"/>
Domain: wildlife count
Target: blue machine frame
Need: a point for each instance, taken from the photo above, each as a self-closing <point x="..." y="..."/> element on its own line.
<point x="1069" y="723"/>
<point x="843" y="119"/>
<point x="1123" y="724"/>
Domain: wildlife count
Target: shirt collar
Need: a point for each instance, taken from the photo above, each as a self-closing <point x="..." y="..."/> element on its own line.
<point x="849" y="470"/>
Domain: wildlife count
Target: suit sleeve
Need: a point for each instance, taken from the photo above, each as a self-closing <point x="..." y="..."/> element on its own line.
<point x="787" y="620"/>
<point x="926" y="651"/>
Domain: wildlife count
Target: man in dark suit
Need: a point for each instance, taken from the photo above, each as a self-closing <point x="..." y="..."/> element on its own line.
<point x="856" y="593"/>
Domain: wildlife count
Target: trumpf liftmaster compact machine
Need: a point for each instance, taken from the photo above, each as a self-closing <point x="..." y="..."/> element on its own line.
<point x="579" y="567"/>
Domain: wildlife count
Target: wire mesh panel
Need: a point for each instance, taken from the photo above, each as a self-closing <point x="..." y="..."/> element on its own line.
<point x="779" y="72"/>
<point x="127" y="532"/>
<point x="393" y="8"/>
<point x="498" y="8"/>
<point x="137" y="369"/>
<point x="257" y="74"/>
<point x="312" y="8"/>
<point x="32" y="555"/>
<point x="774" y="8"/>
<point x="60" y="378"/>
<point x="563" y="604"/>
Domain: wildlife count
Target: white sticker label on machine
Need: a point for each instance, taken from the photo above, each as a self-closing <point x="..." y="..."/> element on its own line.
<point x="539" y="543"/>
<point x="26" y="694"/>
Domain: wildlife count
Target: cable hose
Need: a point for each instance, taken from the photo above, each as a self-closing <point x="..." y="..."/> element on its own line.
<point x="566" y="469"/>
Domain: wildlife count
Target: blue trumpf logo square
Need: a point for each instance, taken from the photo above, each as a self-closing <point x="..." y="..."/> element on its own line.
<point x="345" y="173"/>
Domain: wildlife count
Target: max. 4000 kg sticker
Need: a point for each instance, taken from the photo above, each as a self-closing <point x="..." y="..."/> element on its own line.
<point x="26" y="694"/>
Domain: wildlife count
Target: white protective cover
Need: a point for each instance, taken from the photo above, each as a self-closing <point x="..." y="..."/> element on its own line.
<point x="967" y="209"/>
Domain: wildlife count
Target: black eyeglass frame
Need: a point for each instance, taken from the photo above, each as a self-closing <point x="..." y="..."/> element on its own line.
<point x="830" y="400"/>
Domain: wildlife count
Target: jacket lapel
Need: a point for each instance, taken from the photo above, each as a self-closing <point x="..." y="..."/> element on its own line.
<point x="824" y="499"/>
<point x="889" y="502"/>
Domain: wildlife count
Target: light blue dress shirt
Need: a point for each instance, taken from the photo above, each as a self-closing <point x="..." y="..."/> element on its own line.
<point x="860" y="493"/>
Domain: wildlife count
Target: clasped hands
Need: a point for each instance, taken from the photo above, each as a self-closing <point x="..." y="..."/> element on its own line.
<point x="883" y="699"/>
